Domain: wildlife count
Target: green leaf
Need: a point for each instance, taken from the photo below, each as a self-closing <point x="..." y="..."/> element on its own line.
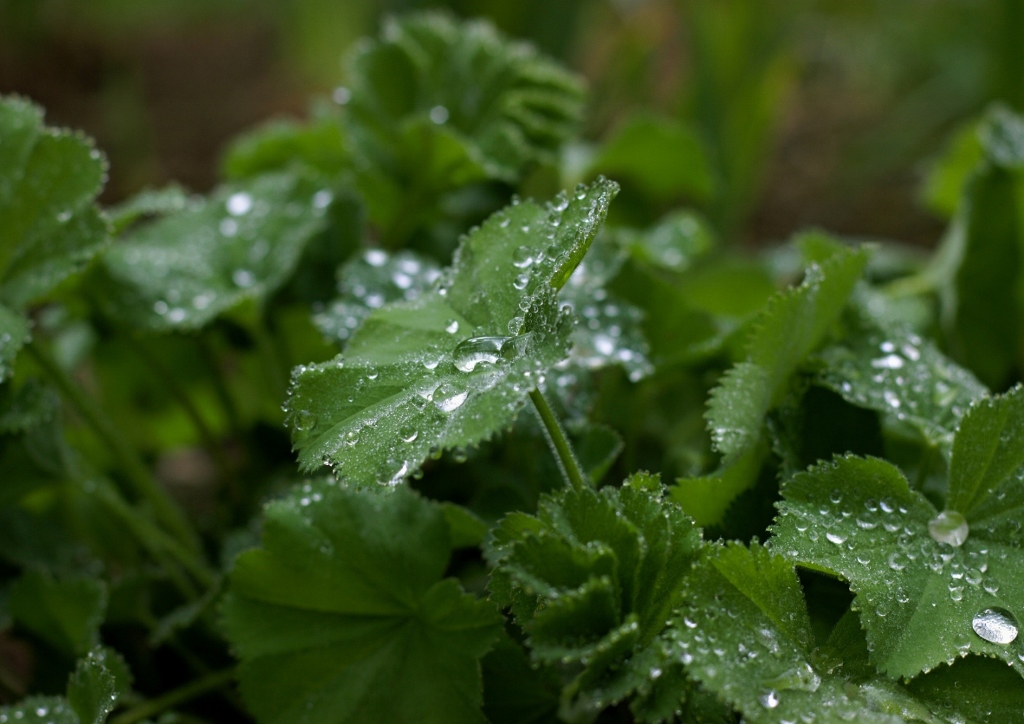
<point x="793" y="324"/>
<point x="99" y="681"/>
<point x="987" y="464"/>
<point x="49" y="225"/>
<point x="243" y="242"/>
<point x="898" y="373"/>
<point x="918" y="595"/>
<point x="454" y="366"/>
<point x="369" y="282"/>
<point x="33" y="404"/>
<point x="149" y="203"/>
<point x="40" y="710"/>
<point x="278" y="145"/>
<point x="14" y="334"/>
<point x="610" y="331"/>
<point x="65" y="613"/>
<point x="342" y="614"/>
<point x="744" y="633"/>
<point x="674" y="243"/>
<point x="708" y="498"/>
<point x="592" y="579"/>
<point x="661" y="156"/>
<point x="431" y="82"/>
<point x="984" y="251"/>
<point x="978" y="689"/>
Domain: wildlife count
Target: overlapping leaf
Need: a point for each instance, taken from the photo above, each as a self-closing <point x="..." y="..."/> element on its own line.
<point x="243" y="242"/>
<point x="455" y="365"/>
<point x="744" y="633"/>
<point x="923" y="583"/>
<point x="794" y="323"/>
<point x="49" y="224"/>
<point x="982" y="258"/>
<point x="592" y="579"/>
<point x="342" y="614"/>
<point x="369" y="282"/>
<point x="904" y="376"/>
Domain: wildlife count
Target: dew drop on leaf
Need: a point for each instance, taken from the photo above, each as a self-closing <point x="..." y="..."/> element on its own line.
<point x="476" y="351"/>
<point x="448" y="398"/>
<point x="949" y="527"/>
<point x="995" y="625"/>
<point x="522" y="257"/>
<point x="769" y="699"/>
<point x="239" y="204"/>
<point x="305" y="420"/>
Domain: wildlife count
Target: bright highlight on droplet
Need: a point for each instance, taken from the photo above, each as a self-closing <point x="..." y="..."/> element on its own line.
<point x="995" y="625"/>
<point x="949" y="527"/>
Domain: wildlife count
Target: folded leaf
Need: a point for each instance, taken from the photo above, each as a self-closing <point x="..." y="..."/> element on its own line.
<point x="454" y="366"/>
<point x="743" y="632"/>
<point x="592" y="579"/>
<point x="924" y="584"/>
<point x="793" y="324"/>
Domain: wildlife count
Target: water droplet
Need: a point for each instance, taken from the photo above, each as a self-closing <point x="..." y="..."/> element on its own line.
<point x="476" y="351"/>
<point x="439" y="115"/>
<point x="521" y="281"/>
<point x="448" y="398"/>
<point x="452" y="327"/>
<point x="949" y="527"/>
<point x="995" y="625"/>
<point x="243" y="278"/>
<point x="322" y="198"/>
<point x="408" y="434"/>
<point x="522" y="257"/>
<point x="239" y="204"/>
<point x="304" y="420"/>
<point x="836" y="538"/>
<point x="228" y="227"/>
<point x="341" y="95"/>
<point x="769" y="699"/>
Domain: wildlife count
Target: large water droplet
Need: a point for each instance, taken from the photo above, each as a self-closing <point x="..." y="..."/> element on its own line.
<point x="448" y="398"/>
<point x="769" y="699"/>
<point x="949" y="527"/>
<point x="522" y="257"/>
<point x="305" y="420"/>
<point x="476" y="351"/>
<point x="996" y="625"/>
<point x="239" y="204"/>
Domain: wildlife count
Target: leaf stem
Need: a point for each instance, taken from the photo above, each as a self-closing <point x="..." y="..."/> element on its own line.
<point x="138" y="474"/>
<point x="268" y="355"/>
<point x="179" y="393"/>
<point x="189" y="691"/>
<point x="559" y="442"/>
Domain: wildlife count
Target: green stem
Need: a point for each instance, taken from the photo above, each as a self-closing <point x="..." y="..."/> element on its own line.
<point x="559" y="442"/>
<point x="179" y="393"/>
<point x="154" y="539"/>
<point x="189" y="691"/>
<point x="131" y="464"/>
<point x="268" y="355"/>
<point x="220" y="388"/>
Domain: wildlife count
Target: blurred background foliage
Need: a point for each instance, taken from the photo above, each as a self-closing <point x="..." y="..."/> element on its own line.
<point x="798" y="112"/>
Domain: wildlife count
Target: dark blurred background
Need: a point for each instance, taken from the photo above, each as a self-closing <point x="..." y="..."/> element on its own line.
<point x="816" y="112"/>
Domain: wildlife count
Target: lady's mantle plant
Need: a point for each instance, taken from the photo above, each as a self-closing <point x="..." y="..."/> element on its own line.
<point x="472" y="376"/>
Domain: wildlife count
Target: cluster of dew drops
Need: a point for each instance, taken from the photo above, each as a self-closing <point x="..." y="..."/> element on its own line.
<point x="238" y="207"/>
<point x="951" y="530"/>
